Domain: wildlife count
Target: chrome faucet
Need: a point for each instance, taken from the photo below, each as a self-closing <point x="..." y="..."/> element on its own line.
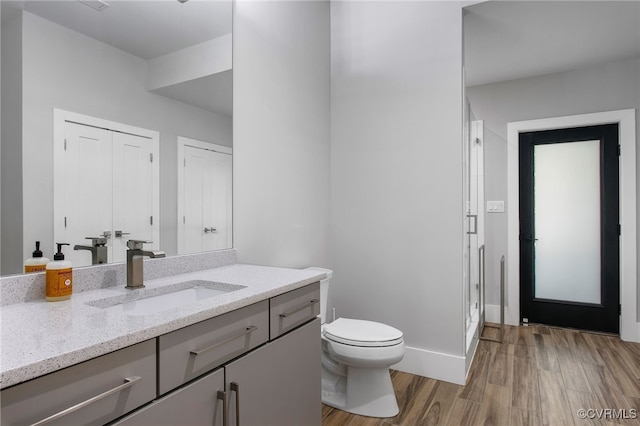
<point x="135" y="270"/>
<point x="97" y="248"/>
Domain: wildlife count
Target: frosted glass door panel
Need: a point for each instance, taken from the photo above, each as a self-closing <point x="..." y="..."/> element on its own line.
<point x="567" y="221"/>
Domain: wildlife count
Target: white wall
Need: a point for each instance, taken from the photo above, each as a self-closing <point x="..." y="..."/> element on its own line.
<point x="396" y="173"/>
<point x="66" y="70"/>
<point x="612" y="86"/>
<point x="281" y="87"/>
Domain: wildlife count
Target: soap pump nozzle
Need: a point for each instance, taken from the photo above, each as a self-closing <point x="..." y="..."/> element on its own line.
<point x="59" y="255"/>
<point x="37" y="252"/>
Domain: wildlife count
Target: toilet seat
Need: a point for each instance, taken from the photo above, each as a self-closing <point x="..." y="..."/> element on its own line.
<point x="362" y="333"/>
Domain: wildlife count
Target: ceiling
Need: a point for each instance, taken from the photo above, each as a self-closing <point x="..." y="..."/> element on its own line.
<point x="507" y="40"/>
<point x="152" y="28"/>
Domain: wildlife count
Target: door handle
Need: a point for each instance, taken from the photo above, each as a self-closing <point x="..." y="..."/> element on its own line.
<point x="222" y="396"/>
<point x="236" y="388"/>
<point x="106" y="234"/>
<point x="475" y="224"/>
<point x="207" y="230"/>
<point x="119" y="234"/>
<point x="528" y="238"/>
<point x="128" y="382"/>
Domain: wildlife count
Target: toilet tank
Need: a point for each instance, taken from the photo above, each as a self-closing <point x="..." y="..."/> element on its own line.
<point x="324" y="291"/>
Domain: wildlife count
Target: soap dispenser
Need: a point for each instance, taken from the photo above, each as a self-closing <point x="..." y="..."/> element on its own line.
<point x="37" y="262"/>
<point x="59" y="277"/>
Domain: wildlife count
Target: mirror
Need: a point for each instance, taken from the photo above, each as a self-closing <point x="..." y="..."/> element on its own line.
<point x="158" y="65"/>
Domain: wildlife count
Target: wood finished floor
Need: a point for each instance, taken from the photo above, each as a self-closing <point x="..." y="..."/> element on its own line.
<point x="538" y="376"/>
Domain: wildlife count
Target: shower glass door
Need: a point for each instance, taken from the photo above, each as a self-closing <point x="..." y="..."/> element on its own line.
<point x="474" y="223"/>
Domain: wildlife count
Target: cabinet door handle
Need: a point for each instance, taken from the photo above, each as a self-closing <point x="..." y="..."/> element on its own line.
<point x="236" y="388"/>
<point x="246" y="331"/>
<point x="223" y="397"/>
<point x="129" y="381"/>
<point x="299" y="308"/>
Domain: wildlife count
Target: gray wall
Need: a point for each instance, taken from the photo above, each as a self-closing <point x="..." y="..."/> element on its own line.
<point x="63" y="69"/>
<point x="11" y="147"/>
<point x="612" y="86"/>
<point x="281" y="132"/>
<point x="396" y="168"/>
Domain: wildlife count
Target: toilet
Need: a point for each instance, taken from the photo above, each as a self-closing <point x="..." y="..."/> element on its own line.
<point x="356" y="356"/>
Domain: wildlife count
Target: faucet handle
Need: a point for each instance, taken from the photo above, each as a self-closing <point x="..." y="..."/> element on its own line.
<point x="97" y="241"/>
<point x="137" y="244"/>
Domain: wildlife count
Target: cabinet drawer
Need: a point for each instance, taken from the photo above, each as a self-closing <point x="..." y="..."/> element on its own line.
<point x="197" y="404"/>
<point x="192" y="351"/>
<point x="294" y="308"/>
<point x="91" y="393"/>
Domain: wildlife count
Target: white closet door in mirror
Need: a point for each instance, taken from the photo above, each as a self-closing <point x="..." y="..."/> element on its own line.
<point x="205" y="203"/>
<point x="87" y="188"/>
<point x="132" y="194"/>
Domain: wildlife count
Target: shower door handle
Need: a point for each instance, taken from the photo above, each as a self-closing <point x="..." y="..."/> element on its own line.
<point x="475" y="224"/>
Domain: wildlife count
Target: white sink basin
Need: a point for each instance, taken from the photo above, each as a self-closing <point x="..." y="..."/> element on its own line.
<point x="151" y="301"/>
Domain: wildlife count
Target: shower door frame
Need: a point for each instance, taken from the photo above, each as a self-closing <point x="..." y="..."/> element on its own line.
<point x="474" y="230"/>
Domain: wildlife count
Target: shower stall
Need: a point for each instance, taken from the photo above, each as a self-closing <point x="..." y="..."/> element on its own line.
<point x="473" y="244"/>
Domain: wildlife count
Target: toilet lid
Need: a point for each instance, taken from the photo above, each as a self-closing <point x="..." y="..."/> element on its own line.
<point x="362" y="333"/>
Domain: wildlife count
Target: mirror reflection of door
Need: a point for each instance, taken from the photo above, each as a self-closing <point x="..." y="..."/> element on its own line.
<point x="87" y="190"/>
<point x="106" y="187"/>
<point x="204" y="196"/>
<point x="132" y="192"/>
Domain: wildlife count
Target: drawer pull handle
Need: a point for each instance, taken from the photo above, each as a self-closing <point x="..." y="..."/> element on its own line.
<point x="223" y="397"/>
<point x="236" y="388"/>
<point x="129" y="381"/>
<point x="299" y="308"/>
<point x="246" y="331"/>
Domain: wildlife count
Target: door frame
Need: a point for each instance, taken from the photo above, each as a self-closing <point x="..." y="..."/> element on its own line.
<point x="626" y="119"/>
<point x="195" y="143"/>
<point x="61" y="116"/>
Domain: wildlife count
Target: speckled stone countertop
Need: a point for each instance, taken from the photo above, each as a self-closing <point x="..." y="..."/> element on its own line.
<point x="39" y="337"/>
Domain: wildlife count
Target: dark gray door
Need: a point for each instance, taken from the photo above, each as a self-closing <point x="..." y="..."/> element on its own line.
<point x="569" y="227"/>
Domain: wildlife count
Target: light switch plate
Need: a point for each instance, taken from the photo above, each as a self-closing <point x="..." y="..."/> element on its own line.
<point x="495" y="206"/>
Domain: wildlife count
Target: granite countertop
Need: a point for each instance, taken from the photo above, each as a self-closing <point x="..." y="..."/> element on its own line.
<point x="39" y="337"/>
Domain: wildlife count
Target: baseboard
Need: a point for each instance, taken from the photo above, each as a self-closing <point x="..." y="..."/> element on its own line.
<point x="436" y="365"/>
<point x="492" y="313"/>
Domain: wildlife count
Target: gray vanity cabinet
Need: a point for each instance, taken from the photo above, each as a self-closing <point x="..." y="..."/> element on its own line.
<point x="90" y="393"/>
<point x="279" y="383"/>
<point x="257" y="365"/>
<point x="192" y="351"/>
<point x="289" y="310"/>
<point x="197" y="404"/>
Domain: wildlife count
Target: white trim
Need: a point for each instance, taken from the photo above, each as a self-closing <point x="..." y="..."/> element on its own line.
<point x="61" y="116"/>
<point x="492" y="313"/>
<point x="182" y="143"/>
<point x="436" y="365"/>
<point x="629" y="326"/>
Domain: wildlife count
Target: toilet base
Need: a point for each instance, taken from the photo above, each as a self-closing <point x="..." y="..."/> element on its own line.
<point x="365" y="391"/>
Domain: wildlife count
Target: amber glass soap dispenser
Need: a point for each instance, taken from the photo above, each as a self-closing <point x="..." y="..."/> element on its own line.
<point x="59" y="277"/>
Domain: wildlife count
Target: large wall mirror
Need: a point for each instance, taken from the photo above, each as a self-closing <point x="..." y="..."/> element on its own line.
<point x="116" y="123"/>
